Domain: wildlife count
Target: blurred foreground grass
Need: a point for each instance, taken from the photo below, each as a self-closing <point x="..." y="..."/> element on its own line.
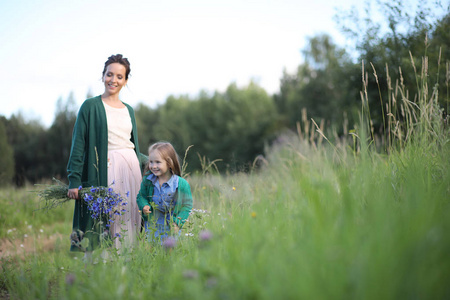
<point x="370" y="227"/>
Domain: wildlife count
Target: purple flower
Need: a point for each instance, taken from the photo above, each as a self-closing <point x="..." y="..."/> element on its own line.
<point x="205" y="235"/>
<point x="70" y="278"/>
<point x="170" y="242"/>
<point x="80" y="187"/>
<point x="211" y="282"/>
<point x="128" y="194"/>
<point x="190" y="274"/>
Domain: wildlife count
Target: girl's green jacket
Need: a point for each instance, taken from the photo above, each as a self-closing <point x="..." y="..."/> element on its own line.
<point x="184" y="200"/>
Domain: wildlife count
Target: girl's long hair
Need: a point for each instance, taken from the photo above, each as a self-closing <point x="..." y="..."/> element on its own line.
<point x="168" y="153"/>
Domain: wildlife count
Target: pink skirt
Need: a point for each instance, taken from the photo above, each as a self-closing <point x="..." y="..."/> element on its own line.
<point x="124" y="177"/>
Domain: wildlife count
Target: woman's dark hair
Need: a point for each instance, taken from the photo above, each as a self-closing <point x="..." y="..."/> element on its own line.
<point x="118" y="58"/>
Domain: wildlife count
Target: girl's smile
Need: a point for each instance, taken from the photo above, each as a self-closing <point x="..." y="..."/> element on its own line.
<point x="159" y="166"/>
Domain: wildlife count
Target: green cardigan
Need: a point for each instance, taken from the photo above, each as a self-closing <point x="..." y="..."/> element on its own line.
<point x="183" y="206"/>
<point x="89" y="153"/>
<point x="88" y="158"/>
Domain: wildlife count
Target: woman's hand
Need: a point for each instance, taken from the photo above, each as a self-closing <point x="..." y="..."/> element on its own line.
<point x="73" y="193"/>
<point x="146" y="210"/>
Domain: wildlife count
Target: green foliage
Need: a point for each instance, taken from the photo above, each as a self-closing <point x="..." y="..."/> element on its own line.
<point x="60" y="137"/>
<point x="41" y="153"/>
<point x="248" y="117"/>
<point x="6" y="158"/>
<point x="324" y="85"/>
<point x="146" y="119"/>
<point x="30" y="144"/>
<point x="172" y="125"/>
<point x="232" y="127"/>
<point x="389" y="42"/>
<point x="327" y="84"/>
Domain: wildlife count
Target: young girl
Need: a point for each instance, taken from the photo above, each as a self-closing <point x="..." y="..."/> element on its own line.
<point x="165" y="198"/>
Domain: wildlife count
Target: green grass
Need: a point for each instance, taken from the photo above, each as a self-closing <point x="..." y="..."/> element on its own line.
<point x="20" y="214"/>
<point x="372" y="228"/>
<point x="315" y="222"/>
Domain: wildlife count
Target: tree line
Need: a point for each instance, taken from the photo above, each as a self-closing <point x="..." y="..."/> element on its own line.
<point x="230" y="129"/>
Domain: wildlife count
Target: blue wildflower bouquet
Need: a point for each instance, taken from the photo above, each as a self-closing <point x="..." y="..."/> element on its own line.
<point x="102" y="202"/>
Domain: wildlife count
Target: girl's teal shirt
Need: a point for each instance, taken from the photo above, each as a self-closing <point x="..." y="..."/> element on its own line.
<point x="183" y="207"/>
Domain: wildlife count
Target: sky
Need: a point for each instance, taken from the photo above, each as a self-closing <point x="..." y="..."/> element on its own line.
<point x="50" y="49"/>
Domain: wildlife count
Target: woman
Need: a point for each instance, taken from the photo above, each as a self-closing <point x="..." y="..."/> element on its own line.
<point x="105" y="152"/>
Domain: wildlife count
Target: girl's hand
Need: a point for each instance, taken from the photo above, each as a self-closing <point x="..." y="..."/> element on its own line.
<point x="146" y="210"/>
<point x="72" y="193"/>
<point x="175" y="227"/>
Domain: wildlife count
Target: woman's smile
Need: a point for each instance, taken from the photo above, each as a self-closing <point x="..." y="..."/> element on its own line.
<point x="114" y="78"/>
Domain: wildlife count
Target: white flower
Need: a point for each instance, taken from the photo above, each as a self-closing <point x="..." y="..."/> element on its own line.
<point x="25" y="235"/>
<point x="21" y="245"/>
<point x="41" y="230"/>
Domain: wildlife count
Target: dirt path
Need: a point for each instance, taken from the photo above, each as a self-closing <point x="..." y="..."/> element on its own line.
<point x="29" y="244"/>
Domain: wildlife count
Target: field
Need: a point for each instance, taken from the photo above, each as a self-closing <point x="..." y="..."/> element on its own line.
<point x="317" y="219"/>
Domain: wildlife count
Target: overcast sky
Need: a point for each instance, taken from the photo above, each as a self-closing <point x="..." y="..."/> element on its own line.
<point x="51" y="48"/>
